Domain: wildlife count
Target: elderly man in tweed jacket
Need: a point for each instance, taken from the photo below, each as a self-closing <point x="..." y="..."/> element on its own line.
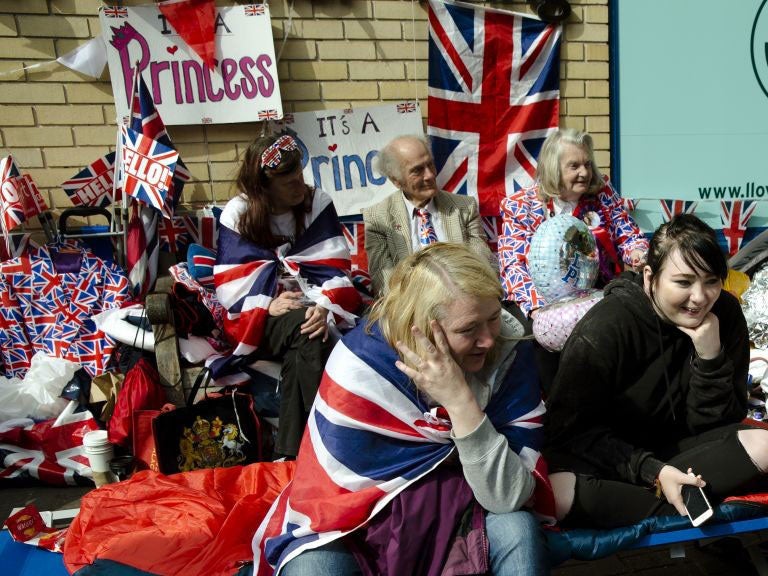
<point x="391" y="226"/>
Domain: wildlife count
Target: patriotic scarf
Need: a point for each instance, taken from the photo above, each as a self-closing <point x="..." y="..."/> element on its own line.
<point x="370" y="435"/>
<point x="246" y="277"/>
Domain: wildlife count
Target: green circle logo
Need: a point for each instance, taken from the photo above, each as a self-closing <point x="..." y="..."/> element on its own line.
<point x="759" y="48"/>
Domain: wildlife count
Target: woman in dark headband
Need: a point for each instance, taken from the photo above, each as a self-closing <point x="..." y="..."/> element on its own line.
<point x="281" y="274"/>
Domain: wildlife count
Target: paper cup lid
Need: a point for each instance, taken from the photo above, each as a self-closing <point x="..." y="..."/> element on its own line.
<point x="95" y="438"/>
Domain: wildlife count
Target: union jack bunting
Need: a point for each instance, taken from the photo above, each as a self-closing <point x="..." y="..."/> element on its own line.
<point x="253" y="10"/>
<point x="93" y="185"/>
<point x="672" y="208"/>
<point x="493" y="98"/>
<point x="172" y="234"/>
<point x="50" y="451"/>
<point x="147" y="168"/>
<point x="246" y="275"/>
<point x="735" y="215"/>
<point x="370" y="435"/>
<point x="406" y="107"/>
<point x="115" y="12"/>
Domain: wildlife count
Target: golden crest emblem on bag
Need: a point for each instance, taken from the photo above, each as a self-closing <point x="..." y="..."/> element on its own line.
<point x="210" y="444"/>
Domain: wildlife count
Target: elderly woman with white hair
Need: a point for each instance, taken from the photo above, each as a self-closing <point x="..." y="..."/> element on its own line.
<point x="567" y="181"/>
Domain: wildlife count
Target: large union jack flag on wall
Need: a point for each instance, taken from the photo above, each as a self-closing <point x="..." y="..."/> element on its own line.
<point x="493" y="98"/>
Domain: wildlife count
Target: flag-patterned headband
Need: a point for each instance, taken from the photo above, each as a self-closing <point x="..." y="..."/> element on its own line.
<point x="271" y="157"/>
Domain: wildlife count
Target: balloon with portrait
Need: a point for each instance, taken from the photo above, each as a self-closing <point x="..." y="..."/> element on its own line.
<point x="563" y="258"/>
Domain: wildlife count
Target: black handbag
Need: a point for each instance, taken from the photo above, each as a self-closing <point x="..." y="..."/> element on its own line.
<point x="216" y="432"/>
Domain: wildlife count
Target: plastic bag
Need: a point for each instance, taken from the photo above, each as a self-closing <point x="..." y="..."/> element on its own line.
<point x="141" y="390"/>
<point x="37" y="395"/>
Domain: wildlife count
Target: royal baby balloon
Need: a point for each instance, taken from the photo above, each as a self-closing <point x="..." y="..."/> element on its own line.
<point x="563" y="259"/>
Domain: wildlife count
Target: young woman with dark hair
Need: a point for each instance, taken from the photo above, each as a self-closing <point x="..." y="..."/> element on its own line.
<point x="651" y="384"/>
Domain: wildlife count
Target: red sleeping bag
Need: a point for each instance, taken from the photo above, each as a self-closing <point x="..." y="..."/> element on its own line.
<point x="199" y="522"/>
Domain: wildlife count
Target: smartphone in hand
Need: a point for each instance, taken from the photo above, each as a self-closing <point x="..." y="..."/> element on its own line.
<point x="697" y="505"/>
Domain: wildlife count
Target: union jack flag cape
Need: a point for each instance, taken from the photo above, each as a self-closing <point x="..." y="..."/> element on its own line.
<point x="493" y="98"/>
<point x="368" y="438"/>
<point x="246" y="275"/>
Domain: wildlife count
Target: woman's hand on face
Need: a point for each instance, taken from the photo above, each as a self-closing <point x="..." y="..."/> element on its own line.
<point x="435" y="372"/>
<point x="316" y="324"/>
<point x="285" y="302"/>
<point x="705" y="337"/>
<point x="672" y="480"/>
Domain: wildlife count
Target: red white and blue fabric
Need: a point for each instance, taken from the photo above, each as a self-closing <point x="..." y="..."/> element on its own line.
<point x="93" y="185"/>
<point x="427" y="234"/>
<point x="153" y="153"/>
<point x="143" y="246"/>
<point x="492" y="226"/>
<point x="202" y="227"/>
<point x="142" y="249"/>
<point x="370" y="435"/>
<point x="246" y="276"/>
<point x="172" y="234"/>
<point x="50" y="312"/>
<point x="354" y="233"/>
<point x="670" y="208"/>
<point x="11" y="206"/>
<point x="523" y="213"/>
<point x="146" y="120"/>
<point x="735" y="215"/>
<point x="17" y="245"/>
<point x="180" y="273"/>
<point x="50" y="451"/>
<point x="494" y="92"/>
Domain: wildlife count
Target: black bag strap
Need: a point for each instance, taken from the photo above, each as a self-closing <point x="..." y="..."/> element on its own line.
<point x="203" y="379"/>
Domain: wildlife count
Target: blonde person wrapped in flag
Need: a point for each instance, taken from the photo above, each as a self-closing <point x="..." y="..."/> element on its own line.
<point x="421" y="451"/>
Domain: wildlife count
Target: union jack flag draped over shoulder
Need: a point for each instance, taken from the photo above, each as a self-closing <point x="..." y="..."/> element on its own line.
<point x="370" y="435"/>
<point x="247" y="277"/>
<point x="493" y="98"/>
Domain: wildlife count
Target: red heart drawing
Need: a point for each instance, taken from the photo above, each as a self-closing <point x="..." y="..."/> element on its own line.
<point x="172" y="49"/>
<point x="333" y="147"/>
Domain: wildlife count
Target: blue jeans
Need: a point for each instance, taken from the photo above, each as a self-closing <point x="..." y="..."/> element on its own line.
<point x="517" y="548"/>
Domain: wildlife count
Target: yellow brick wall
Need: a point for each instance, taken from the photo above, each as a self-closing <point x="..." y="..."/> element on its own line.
<point x="336" y="54"/>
